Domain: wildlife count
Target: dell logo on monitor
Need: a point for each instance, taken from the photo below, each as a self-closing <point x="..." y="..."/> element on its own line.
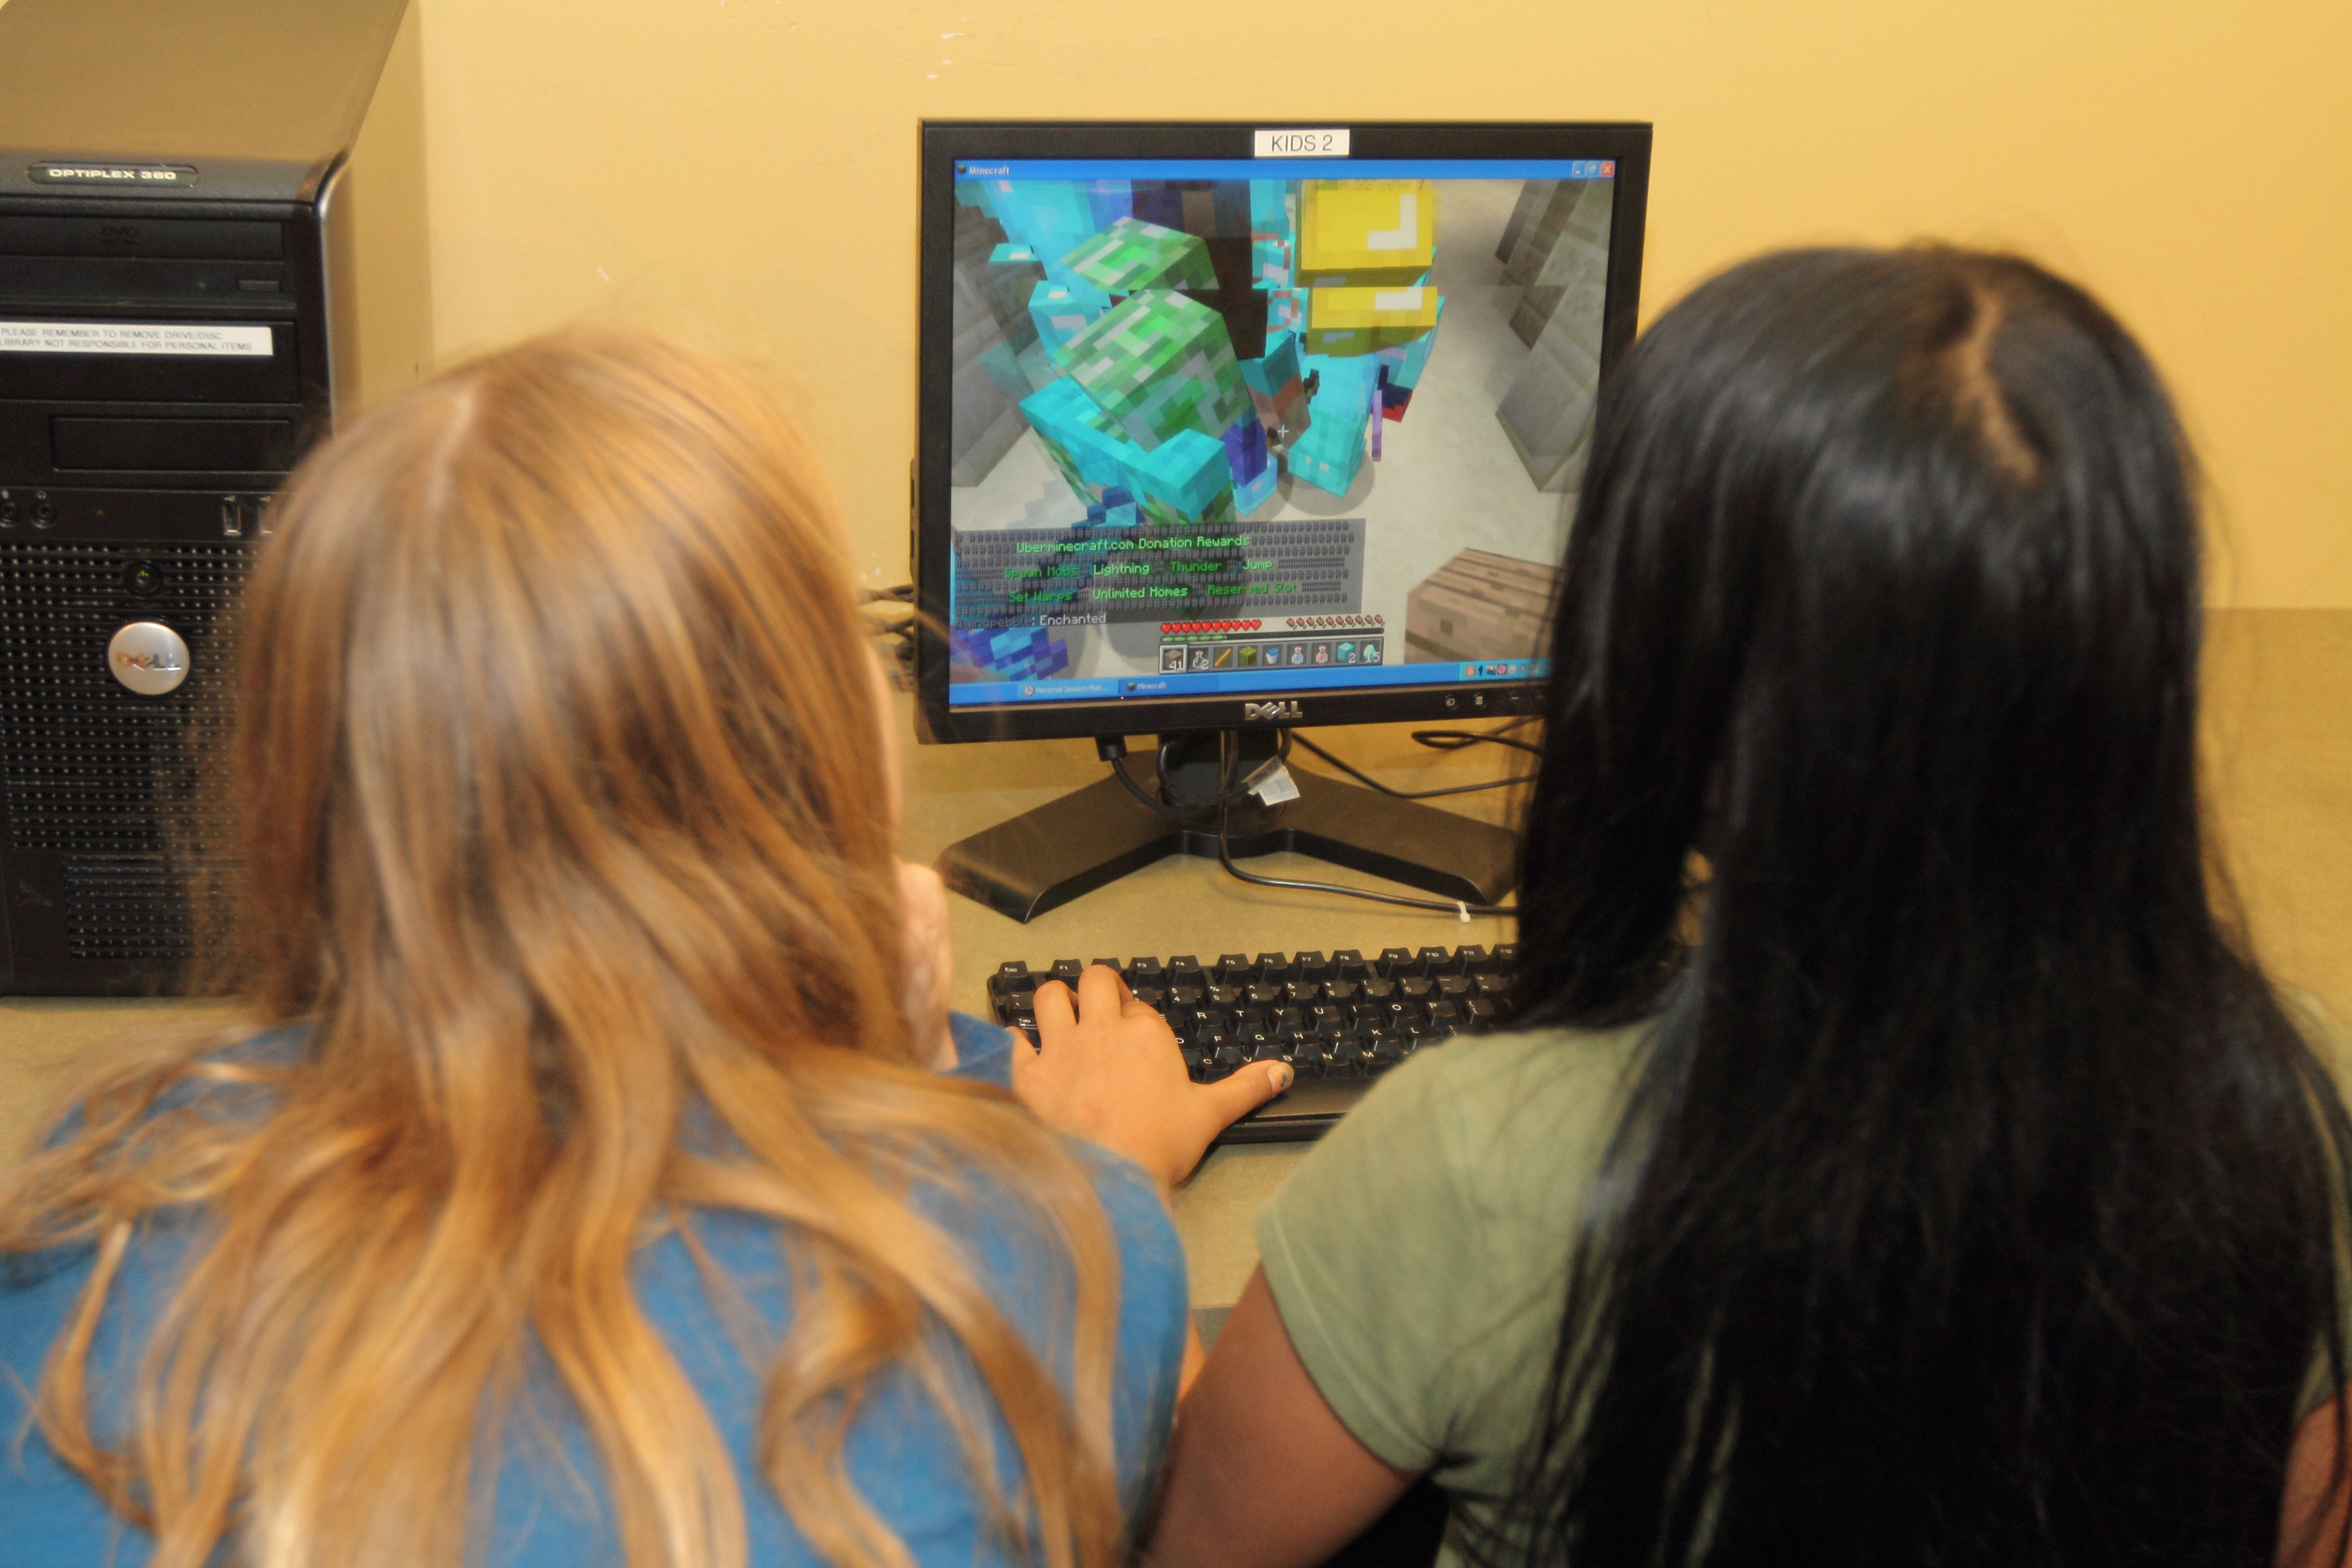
<point x="1254" y="710"/>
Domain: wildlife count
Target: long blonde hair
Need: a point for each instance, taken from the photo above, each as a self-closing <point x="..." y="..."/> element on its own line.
<point x="566" y="817"/>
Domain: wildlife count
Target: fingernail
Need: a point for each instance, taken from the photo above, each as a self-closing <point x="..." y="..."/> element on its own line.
<point x="1281" y="1077"/>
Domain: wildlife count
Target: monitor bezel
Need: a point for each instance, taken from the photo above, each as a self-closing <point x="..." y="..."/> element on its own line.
<point x="944" y="144"/>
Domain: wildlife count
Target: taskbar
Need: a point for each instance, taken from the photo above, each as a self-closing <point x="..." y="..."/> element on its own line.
<point x="1213" y="683"/>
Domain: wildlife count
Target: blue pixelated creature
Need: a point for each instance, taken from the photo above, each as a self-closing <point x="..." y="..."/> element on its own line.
<point x="1201" y="339"/>
<point x="1010" y="653"/>
<point x="1116" y="510"/>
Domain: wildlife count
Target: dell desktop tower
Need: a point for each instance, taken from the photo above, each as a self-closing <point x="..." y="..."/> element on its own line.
<point x="212" y="248"/>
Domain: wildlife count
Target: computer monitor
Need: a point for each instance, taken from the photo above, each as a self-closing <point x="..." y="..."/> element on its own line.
<point x="1239" y="428"/>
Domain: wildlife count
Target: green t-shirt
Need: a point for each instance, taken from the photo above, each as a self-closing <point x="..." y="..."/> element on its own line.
<point x="1419" y="1257"/>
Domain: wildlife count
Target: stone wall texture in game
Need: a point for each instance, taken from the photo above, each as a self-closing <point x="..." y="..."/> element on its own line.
<point x="1558" y="249"/>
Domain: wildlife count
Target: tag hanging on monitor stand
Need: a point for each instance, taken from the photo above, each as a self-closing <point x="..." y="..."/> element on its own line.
<point x="1272" y="783"/>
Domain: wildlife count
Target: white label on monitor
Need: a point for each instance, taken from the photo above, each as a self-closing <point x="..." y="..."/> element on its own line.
<point x="199" y="338"/>
<point x="1302" y="143"/>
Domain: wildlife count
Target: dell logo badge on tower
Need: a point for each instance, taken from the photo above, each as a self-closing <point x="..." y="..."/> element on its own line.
<point x="1254" y="710"/>
<point x="149" y="658"/>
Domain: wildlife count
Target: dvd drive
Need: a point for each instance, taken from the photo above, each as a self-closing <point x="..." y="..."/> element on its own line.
<point x="226" y="239"/>
<point x="127" y="280"/>
<point x="179" y="446"/>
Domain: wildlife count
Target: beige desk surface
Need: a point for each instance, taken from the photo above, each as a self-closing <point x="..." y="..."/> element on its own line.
<point x="2278" y="688"/>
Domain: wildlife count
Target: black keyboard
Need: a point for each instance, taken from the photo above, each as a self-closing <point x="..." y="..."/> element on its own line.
<point x="1340" y="1019"/>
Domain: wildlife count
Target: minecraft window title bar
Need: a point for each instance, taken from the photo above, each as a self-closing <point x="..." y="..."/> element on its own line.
<point x="1290" y="169"/>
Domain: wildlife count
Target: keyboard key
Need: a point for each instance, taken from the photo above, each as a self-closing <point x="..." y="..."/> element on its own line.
<point x="1274" y="967"/>
<point x="1341" y="990"/>
<point x="1478" y="1015"/>
<point x="1067" y="970"/>
<point x="1395" y="962"/>
<point x="1145" y="972"/>
<point x="1310" y="966"/>
<point x="1263" y="994"/>
<point x="1302" y="992"/>
<point x="1233" y="969"/>
<point x="1474" y="959"/>
<point x="1494" y="991"/>
<point x="1349" y="965"/>
<point x="1184" y="968"/>
<point x="1433" y="961"/>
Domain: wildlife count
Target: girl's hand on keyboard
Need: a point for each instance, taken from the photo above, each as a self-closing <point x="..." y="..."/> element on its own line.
<point x="1107" y="1068"/>
<point x="928" y="964"/>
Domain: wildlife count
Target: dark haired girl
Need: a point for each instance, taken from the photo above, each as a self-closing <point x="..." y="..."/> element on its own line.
<point x="1900" y="1161"/>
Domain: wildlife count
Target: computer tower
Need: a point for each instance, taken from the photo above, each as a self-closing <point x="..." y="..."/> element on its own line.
<point x="212" y="248"/>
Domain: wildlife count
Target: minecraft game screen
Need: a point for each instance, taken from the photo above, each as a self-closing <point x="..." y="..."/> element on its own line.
<point x="1265" y="426"/>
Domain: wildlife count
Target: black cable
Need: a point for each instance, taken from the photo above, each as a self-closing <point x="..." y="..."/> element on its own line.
<point x="1113" y="750"/>
<point x="1462" y="907"/>
<point x="1457" y="739"/>
<point x="900" y="652"/>
<point x="1449" y="907"/>
<point x="1228" y="794"/>
<point x="1374" y="783"/>
<point x="1118" y="770"/>
<point x="900" y="631"/>
<point x="1176" y="808"/>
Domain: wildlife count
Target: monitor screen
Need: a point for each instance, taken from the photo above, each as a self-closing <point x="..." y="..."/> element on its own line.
<point x="1215" y="433"/>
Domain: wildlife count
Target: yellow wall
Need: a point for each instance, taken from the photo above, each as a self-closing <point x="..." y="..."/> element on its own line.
<point x="744" y="172"/>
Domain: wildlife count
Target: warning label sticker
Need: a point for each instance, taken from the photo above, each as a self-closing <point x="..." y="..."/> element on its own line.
<point x="202" y="338"/>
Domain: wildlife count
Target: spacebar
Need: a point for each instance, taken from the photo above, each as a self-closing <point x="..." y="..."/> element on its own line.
<point x="1310" y="1108"/>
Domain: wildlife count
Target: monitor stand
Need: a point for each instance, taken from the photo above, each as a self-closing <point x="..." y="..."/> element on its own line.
<point x="1045" y="857"/>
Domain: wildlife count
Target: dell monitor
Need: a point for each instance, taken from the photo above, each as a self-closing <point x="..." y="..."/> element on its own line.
<point x="1226" y="429"/>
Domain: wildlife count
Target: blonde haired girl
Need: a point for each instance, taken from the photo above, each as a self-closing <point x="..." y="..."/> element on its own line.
<point x="579" y="1187"/>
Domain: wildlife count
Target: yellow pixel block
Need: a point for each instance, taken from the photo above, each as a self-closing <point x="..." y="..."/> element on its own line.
<point x="1411" y="309"/>
<point x="1366" y="231"/>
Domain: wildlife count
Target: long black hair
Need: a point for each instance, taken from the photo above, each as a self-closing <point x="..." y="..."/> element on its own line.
<point x="1975" y="1201"/>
